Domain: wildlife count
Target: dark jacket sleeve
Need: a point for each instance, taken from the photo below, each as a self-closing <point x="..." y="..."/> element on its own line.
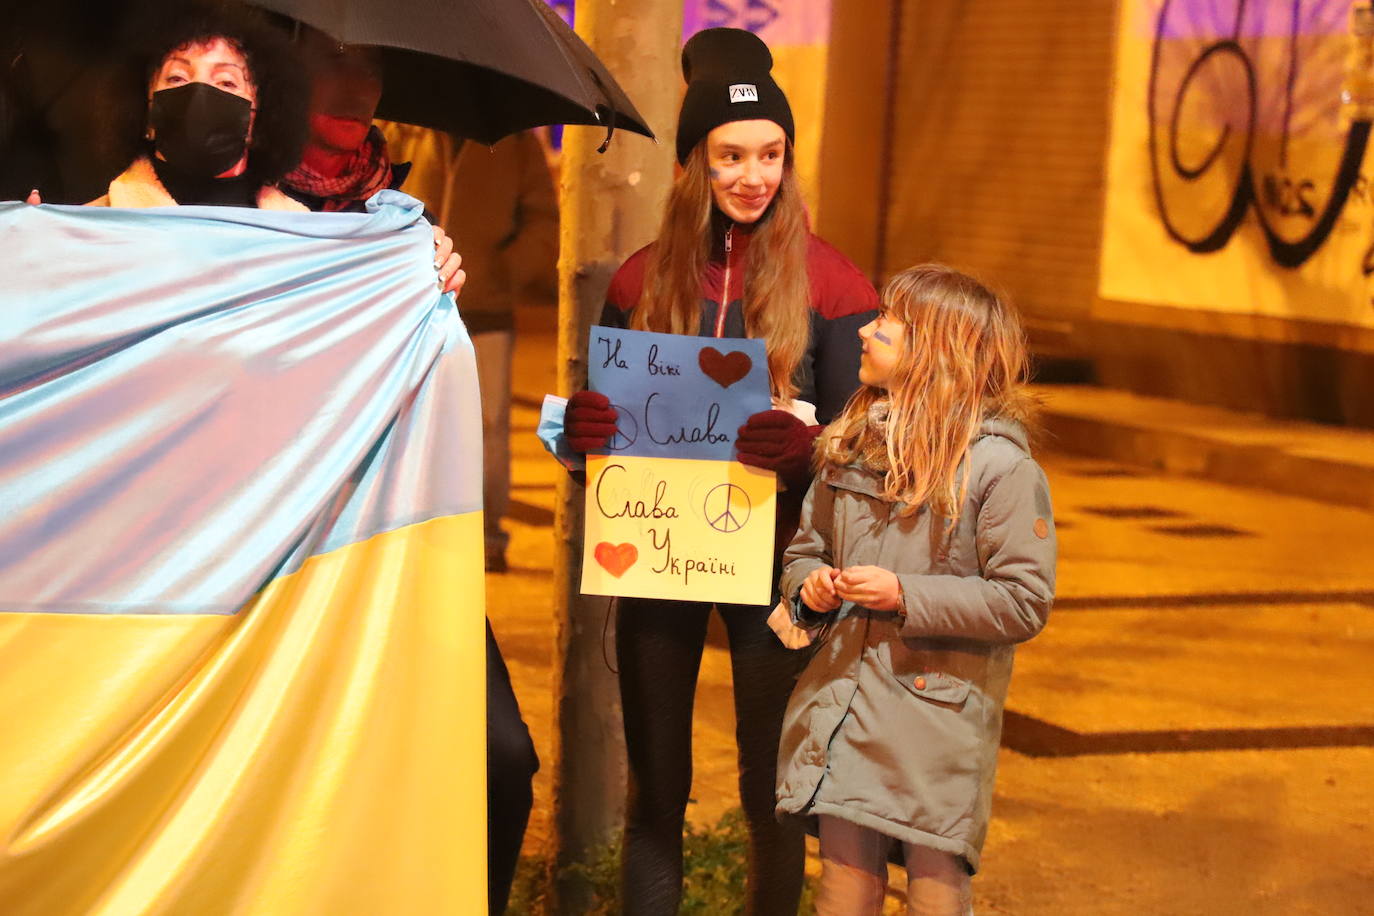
<point x="842" y="302"/>
<point x="836" y="360"/>
<point x="613" y="316"/>
<point x="622" y="295"/>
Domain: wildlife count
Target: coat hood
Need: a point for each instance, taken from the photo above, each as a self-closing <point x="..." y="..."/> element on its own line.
<point x="862" y="480"/>
<point x="1007" y="429"/>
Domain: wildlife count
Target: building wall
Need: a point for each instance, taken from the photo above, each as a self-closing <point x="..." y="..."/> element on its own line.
<point x="999" y="129"/>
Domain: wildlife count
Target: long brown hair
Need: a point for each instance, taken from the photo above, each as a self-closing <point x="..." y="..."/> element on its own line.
<point x="777" y="290"/>
<point x="964" y="360"/>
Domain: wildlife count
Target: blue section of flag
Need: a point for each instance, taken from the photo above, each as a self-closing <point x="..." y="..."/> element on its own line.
<point x="194" y="400"/>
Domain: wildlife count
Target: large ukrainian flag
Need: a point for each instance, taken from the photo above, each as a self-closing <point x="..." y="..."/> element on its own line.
<point x="241" y="601"/>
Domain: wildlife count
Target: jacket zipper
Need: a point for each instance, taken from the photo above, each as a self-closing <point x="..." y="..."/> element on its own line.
<point x="725" y="291"/>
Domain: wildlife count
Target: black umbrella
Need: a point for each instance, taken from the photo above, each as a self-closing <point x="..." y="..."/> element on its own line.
<point x="481" y="69"/>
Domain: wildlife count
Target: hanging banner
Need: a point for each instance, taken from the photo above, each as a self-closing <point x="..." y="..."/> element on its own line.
<point x="669" y="513"/>
<point x="1237" y="179"/>
<point x="241" y="621"/>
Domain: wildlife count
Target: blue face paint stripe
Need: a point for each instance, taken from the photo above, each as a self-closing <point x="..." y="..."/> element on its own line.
<point x="879" y="335"/>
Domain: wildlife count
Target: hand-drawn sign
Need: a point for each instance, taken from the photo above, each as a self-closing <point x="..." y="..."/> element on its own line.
<point x="678" y="396"/>
<point x="727" y="508"/>
<point x="665" y="509"/>
<point x="671" y="528"/>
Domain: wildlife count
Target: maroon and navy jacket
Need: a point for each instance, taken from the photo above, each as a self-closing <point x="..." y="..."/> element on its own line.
<point x="842" y="301"/>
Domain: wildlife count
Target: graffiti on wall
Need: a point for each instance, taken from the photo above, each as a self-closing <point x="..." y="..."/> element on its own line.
<point x="1255" y="152"/>
<point x="754" y="15"/>
<point x="1236" y="174"/>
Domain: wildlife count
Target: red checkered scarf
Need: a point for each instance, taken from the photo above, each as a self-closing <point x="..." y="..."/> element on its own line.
<point x="367" y="172"/>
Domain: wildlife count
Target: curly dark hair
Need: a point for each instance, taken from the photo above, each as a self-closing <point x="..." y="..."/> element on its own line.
<point x="281" y="125"/>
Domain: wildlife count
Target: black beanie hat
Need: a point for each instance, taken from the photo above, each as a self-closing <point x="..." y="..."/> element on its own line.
<point x="727" y="73"/>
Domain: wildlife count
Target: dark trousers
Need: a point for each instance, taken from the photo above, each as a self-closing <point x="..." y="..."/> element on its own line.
<point x="511" y="765"/>
<point x="659" y="646"/>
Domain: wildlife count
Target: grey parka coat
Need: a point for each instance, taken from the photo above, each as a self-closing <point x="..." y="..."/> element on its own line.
<point x="895" y="723"/>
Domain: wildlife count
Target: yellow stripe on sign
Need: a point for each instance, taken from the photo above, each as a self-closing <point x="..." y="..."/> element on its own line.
<point x="322" y="751"/>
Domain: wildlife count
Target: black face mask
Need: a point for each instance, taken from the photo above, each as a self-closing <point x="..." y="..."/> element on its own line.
<point x="198" y="129"/>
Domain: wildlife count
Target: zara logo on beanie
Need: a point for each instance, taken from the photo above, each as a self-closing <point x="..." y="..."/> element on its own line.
<point x="744" y="92"/>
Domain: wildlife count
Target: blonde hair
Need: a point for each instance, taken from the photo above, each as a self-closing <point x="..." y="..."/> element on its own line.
<point x="777" y="288"/>
<point x="964" y="360"/>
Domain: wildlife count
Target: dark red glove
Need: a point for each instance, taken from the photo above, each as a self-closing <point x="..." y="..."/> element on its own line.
<point x="777" y="441"/>
<point x="588" y="421"/>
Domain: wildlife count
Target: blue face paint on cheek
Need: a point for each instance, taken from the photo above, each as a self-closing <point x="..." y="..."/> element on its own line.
<point x="881" y="337"/>
<point x="714" y="175"/>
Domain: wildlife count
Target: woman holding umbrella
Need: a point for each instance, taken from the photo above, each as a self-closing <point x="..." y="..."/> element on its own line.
<point x="344" y="163"/>
<point x="734" y="258"/>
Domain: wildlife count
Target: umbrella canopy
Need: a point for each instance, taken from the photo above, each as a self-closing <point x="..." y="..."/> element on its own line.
<point x="481" y="69"/>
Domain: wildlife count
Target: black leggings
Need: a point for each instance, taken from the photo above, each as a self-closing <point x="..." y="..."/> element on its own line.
<point x="511" y="764"/>
<point x="659" y="645"/>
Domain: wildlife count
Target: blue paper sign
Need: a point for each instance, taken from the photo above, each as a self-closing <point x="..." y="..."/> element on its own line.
<point x="678" y="396"/>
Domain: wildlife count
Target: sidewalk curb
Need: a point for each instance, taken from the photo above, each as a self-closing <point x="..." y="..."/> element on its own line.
<point x="1267" y="467"/>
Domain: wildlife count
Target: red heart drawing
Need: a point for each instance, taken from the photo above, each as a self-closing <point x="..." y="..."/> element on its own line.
<point x="724" y="368"/>
<point x="616" y="558"/>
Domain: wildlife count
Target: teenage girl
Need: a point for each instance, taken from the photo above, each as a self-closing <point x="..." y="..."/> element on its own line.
<point x="734" y="258"/>
<point x="926" y="552"/>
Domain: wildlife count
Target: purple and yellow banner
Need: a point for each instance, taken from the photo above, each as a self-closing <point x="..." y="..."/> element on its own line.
<point x="241" y="616"/>
<point x="1237" y="177"/>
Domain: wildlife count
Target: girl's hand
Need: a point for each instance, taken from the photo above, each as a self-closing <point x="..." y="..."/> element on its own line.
<point x="778" y="441"/>
<point x="791" y="635"/>
<point x="818" y="591"/>
<point x="448" y="262"/>
<point x="870" y="586"/>
<point x="34" y="198"/>
<point x="589" y="421"/>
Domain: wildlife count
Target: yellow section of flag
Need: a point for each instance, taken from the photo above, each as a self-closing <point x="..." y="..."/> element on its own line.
<point x="322" y="751"/>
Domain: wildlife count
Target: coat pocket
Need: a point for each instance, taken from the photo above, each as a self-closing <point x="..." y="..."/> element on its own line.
<point x="919" y="673"/>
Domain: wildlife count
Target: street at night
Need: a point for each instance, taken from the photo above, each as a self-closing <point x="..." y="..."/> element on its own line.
<point x="744" y="457"/>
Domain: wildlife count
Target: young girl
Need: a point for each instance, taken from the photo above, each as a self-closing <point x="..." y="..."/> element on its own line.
<point x="735" y="258"/>
<point x="926" y="552"/>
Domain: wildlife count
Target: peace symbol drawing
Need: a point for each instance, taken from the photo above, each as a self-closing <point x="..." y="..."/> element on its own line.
<point x="626" y="430"/>
<point x="727" y="508"/>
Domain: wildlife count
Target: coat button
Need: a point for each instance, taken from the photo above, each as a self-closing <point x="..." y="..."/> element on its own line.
<point x="920" y="683"/>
